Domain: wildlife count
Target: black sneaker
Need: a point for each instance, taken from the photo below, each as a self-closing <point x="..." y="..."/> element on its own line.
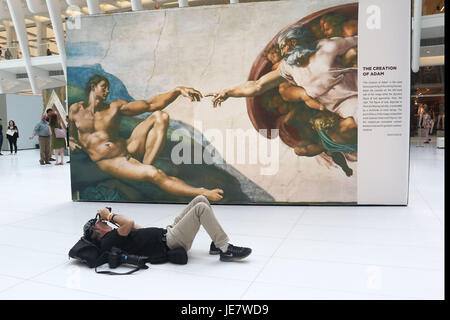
<point x="213" y="249"/>
<point x="235" y="253"/>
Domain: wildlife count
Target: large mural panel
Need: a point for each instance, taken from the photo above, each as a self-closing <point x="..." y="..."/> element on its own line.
<point x="249" y="103"/>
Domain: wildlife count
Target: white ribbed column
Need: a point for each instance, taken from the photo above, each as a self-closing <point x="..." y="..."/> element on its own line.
<point x="416" y="33"/>
<point x="78" y="3"/>
<point x="136" y="5"/>
<point x="93" y="7"/>
<point x="183" y="3"/>
<point x="54" y="11"/>
<point x="36" y="6"/>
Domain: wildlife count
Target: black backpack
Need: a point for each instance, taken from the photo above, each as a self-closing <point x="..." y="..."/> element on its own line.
<point x="90" y="254"/>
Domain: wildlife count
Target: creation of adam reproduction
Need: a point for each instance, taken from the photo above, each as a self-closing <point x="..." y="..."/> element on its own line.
<point x="165" y="105"/>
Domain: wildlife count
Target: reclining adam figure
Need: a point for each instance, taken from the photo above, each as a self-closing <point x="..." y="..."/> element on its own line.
<point x="159" y="244"/>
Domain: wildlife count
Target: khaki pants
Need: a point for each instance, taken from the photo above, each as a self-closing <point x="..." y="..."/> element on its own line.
<point x="44" y="148"/>
<point x="185" y="227"/>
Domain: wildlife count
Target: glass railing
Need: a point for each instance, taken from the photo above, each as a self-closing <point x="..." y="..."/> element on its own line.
<point x="44" y="49"/>
<point x="36" y="50"/>
<point x="10" y="53"/>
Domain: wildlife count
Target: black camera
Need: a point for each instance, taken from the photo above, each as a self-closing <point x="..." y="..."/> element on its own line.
<point x="117" y="257"/>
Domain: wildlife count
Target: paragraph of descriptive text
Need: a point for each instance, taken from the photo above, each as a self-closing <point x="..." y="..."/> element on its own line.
<point x="382" y="104"/>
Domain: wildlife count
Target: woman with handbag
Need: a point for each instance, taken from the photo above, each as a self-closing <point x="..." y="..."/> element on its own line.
<point x="58" y="140"/>
<point x="12" y="133"/>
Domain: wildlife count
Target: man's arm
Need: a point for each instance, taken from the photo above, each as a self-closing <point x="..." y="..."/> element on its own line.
<point x="34" y="131"/>
<point x="73" y="138"/>
<point x="125" y="224"/>
<point x="250" y="88"/>
<point x="337" y="45"/>
<point x="294" y="93"/>
<point x="159" y="101"/>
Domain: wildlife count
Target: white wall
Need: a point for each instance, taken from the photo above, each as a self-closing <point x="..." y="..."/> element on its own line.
<point x="26" y="111"/>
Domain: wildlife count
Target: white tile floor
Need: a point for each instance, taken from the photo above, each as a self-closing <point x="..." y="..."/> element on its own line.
<point x="298" y="252"/>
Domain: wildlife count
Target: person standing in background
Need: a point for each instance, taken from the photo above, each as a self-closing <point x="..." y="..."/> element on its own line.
<point x="433" y="118"/>
<point x="49" y="113"/>
<point x="12" y="134"/>
<point x="427" y="124"/>
<point x="8" y="54"/>
<point x="57" y="144"/>
<point x="50" y="150"/>
<point x="420" y="112"/>
<point x="42" y="130"/>
<point x="1" y="137"/>
<point x="441" y="116"/>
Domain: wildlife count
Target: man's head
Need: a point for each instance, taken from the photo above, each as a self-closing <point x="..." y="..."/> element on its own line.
<point x="53" y="119"/>
<point x="100" y="229"/>
<point x="296" y="45"/>
<point x="95" y="229"/>
<point x="99" y="86"/>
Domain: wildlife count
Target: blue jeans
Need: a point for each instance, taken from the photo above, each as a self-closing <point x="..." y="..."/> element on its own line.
<point x="1" y="143"/>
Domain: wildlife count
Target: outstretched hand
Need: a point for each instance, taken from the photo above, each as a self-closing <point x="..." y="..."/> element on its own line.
<point x="213" y="195"/>
<point x="74" y="146"/>
<point x="218" y="97"/>
<point x="190" y="93"/>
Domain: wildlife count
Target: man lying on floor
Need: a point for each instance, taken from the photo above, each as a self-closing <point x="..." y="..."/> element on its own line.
<point x="155" y="243"/>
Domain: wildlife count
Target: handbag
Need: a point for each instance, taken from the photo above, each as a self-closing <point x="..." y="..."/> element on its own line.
<point x="60" y="133"/>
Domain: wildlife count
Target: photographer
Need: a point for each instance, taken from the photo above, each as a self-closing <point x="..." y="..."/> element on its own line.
<point x="158" y="243"/>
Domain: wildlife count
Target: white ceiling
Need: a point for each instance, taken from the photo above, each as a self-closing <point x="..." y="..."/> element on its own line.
<point x="432" y="27"/>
